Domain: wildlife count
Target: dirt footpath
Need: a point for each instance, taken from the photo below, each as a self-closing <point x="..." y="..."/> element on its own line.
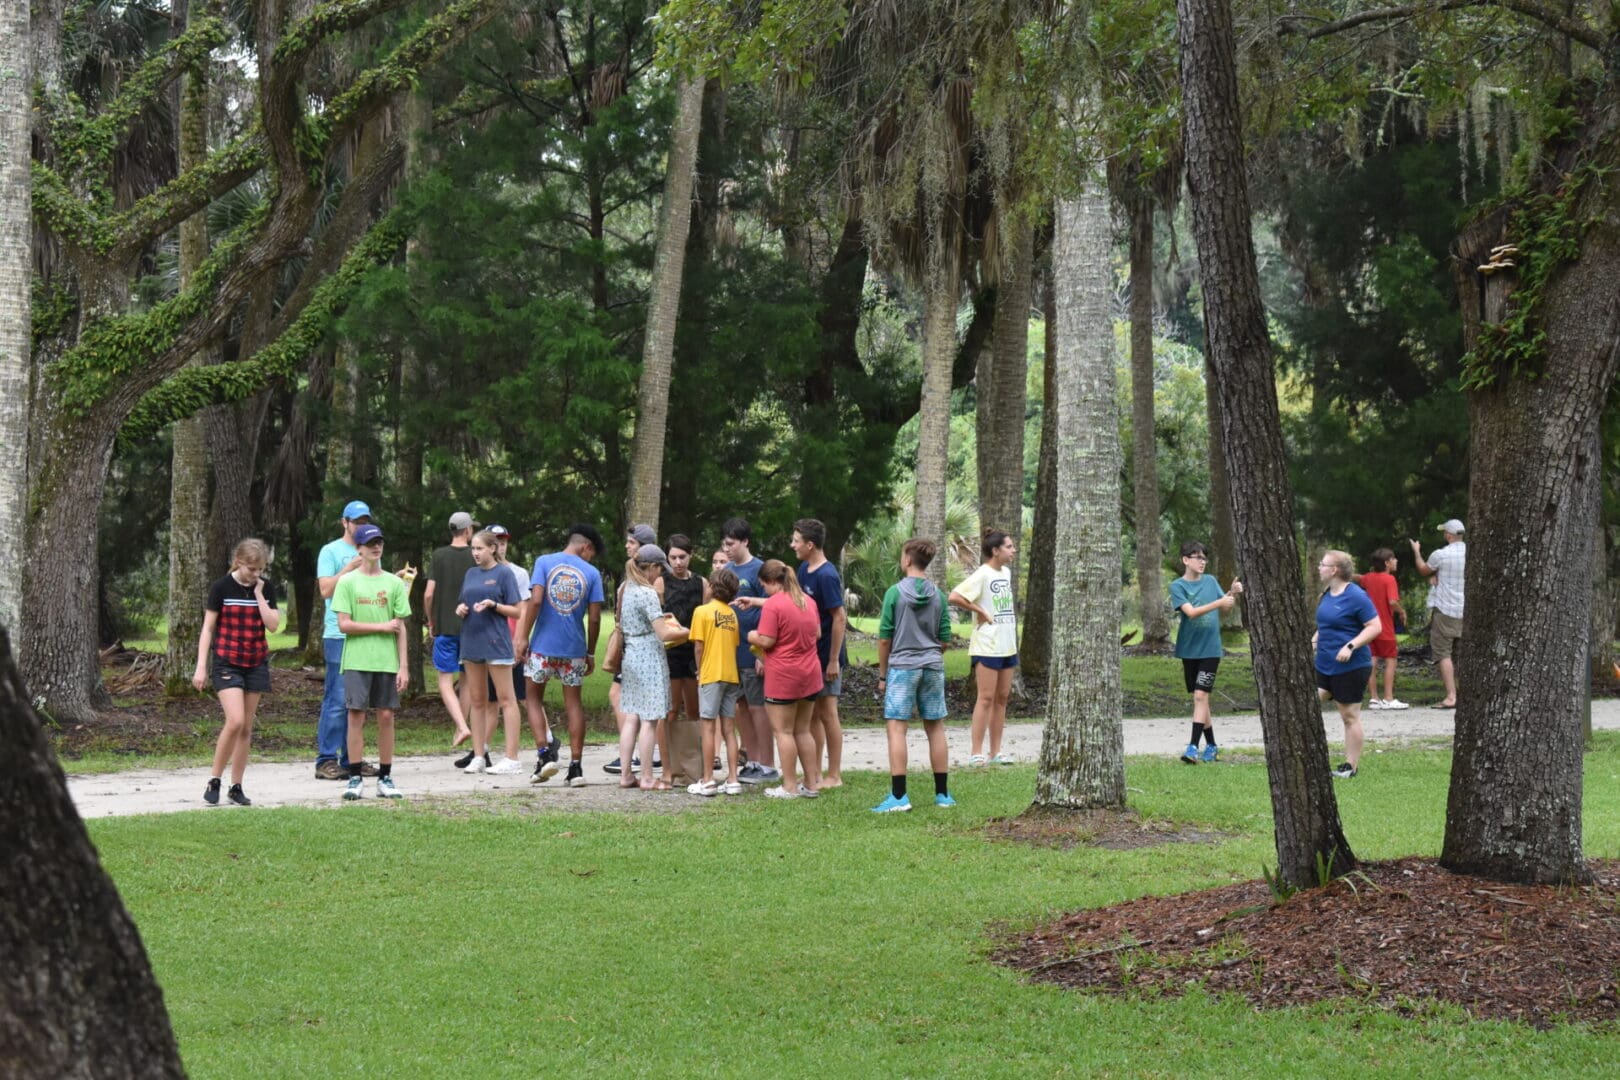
<point x="155" y="791"/>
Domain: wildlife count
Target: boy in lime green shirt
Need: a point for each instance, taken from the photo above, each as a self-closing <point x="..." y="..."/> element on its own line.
<point x="372" y="606"/>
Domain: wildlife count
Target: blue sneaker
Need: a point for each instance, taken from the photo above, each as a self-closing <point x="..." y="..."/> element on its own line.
<point x="944" y="801"/>
<point x="892" y="805"/>
<point x="1190" y="755"/>
<point x="1209" y="753"/>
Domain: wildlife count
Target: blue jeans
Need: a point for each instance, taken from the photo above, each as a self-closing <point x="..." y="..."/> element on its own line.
<point x="332" y="736"/>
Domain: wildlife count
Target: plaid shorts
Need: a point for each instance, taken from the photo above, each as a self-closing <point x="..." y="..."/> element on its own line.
<point x="568" y="670"/>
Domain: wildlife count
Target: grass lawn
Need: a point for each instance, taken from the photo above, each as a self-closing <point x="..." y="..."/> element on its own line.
<point x="748" y="937"/>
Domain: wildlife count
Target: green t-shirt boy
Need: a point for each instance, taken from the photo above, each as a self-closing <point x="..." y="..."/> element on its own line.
<point x="371" y="598"/>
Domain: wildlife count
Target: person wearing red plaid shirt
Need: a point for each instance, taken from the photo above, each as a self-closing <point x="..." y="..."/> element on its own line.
<point x="240" y="612"/>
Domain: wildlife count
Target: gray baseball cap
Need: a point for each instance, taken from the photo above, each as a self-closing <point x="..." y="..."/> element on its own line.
<point x="644" y="534"/>
<point x="461" y="520"/>
<point x="1453" y="526"/>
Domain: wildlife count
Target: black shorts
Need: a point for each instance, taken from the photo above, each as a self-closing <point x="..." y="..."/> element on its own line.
<point x="228" y="676"/>
<point x="519" y="684"/>
<point x="1199" y="672"/>
<point x="1346" y="688"/>
<point x="682" y="662"/>
<point x="789" y="701"/>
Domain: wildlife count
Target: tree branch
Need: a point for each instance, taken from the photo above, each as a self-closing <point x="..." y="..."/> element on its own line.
<point x="192" y="191"/>
<point x="192" y="388"/>
<point x="1556" y="20"/>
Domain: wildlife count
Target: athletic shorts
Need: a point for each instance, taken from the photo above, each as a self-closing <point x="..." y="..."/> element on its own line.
<point x="447" y="654"/>
<point x="1199" y="672"/>
<point x="718" y="700"/>
<point x="254" y="680"/>
<point x="370" y="690"/>
<point x="568" y="670"/>
<point x="996" y="663"/>
<point x="753" y="687"/>
<point x="832" y="687"/>
<point x="519" y="685"/>
<point x="682" y="662"/>
<point x="1383" y="648"/>
<point x="914" y="692"/>
<point x="1443" y="633"/>
<point x="1346" y="688"/>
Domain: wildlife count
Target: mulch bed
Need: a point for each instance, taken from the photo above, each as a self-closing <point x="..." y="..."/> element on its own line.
<point x="1116" y="831"/>
<point x="1399" y="935"/>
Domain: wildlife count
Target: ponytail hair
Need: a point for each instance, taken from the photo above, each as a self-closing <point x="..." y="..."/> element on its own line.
<point x="992" y="539"/>
<point x="634" y="574"/>
<point x="780" y="573"/>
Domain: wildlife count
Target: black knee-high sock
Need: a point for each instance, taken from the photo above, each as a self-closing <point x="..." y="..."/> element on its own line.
<point x="1209" y="734"/>
<point x="897" y="785"/>
<point x="1197" y="730"/>
<point x="939" y="783"/>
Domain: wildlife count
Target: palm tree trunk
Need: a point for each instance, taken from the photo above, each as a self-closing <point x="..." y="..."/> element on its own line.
<point x="1144" y="450"/>
<point x="934" y="414"/>
<point x="188" y="487"/>
<point x="663" y="307"/>
<point x="1083" y="747"/>
<point x="1035" y="647"/>
<point x="1305" y="811"/>
<point x="16" y="268"/>
<point x="999" y="418"/>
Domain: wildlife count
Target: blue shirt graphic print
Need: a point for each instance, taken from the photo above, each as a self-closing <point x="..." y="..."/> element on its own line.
<point x="571" y="586"/>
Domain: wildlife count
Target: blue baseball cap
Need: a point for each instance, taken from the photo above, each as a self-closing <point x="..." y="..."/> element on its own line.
<point x="356" y="509"/>
<point x="365" y="534"/>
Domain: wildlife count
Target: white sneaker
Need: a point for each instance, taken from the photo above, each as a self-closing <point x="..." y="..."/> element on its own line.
<point x="386" y="788"/>
<point x="1396" y="703"/>
<point x="732" y="787"/>
<point x="476" y="765"/>
<point x="354" y="788"/>
<point x="505" y="767"/>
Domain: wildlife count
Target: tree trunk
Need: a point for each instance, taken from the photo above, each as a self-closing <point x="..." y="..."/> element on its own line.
<point x="189" y="564"/>
<point x="77" y="996"/>
<point x="1035" y="647"/>
<point x="1145" y="454"/>
<point x="1083" y="746"/>
<point x="1514" y="809"/>
<point x="663" y="308"/>
<point x="16" y="268"/>
<point x="1305" y="810"/>
<point x="934" y="415"/>
<point x="1002" y="397"/>
<point x="418" y="121"/>
<point x="1222" y="538"/>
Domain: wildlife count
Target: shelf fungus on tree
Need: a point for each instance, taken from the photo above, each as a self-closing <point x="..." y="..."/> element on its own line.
<point x="1501" y="258"/>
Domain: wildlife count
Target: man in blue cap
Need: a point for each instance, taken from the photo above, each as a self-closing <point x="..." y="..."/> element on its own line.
<point x="340" y="557"/>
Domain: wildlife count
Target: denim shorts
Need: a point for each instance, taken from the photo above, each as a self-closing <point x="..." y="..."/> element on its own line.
<point x="914" y="692"/>
<point x="254" y="680"/>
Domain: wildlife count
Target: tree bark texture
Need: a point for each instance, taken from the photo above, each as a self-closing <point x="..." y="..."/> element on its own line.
<point x="189" y="564"/>
<point x="1082" y="762"/>
<point x="1223" y="539"/>
<point x="1514" y="809"/>
<point x="1304" y="808"/>
<point x="417" y="118"/>
<point x="77" y="995"/>
<point x="1002" y="397"/>
<point x="16" y="267"/>
<point x="934" y="414"/>
<point x="1144" y="450"/>
<point x="663" y="308"/>
<point x="1035" y="646"/>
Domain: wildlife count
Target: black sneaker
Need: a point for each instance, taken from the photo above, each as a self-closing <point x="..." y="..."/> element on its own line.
<point x="211" y="792"/>
<point x="464" y="760"/>
<point x="576" y="775"/>
<point x="553" y="751"/>
<point x="1345" y="771"/>
<point x="236" y="795"/>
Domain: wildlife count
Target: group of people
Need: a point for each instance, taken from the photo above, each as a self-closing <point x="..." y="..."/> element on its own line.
<point x="754" y="654"/>
<point x="1357" y="618"/>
